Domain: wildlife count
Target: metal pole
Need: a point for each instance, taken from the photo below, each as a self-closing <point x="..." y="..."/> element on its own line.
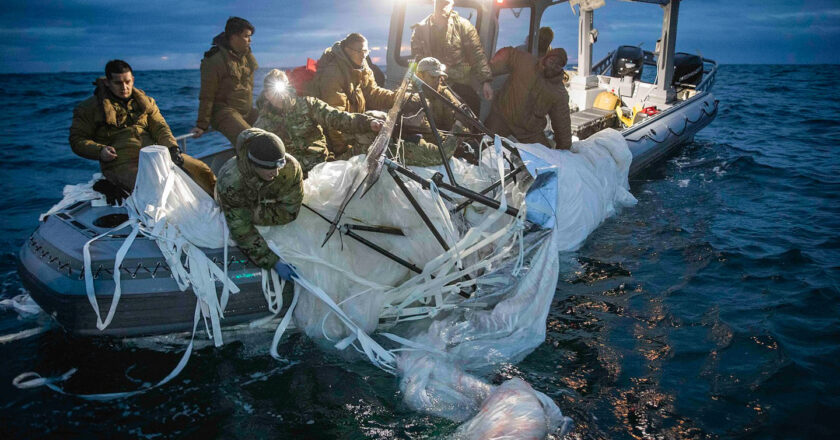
<point x="419" y="209"/>
<point x="433" y="127"/>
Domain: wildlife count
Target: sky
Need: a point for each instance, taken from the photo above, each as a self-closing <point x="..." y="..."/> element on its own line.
<point x="82" y="35"/>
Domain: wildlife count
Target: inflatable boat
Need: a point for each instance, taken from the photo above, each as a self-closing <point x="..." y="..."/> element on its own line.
<point x="653" y="118"/>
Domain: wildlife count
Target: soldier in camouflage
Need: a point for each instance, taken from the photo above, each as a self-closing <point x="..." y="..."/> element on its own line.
<point x="453" y="40"/>
<point x="263" y="186"/>
<point x="300" y="121"/>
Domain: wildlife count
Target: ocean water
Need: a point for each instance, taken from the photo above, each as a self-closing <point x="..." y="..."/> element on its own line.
<point x="709" y="310"/>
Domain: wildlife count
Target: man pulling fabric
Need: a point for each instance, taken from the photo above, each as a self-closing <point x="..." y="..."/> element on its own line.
<point x="117" y="121"/>
<point x="261" y="186"/>
<point x="533" y="91"/>
<point x="300" y="121"/>
<point x="345" y="81"/>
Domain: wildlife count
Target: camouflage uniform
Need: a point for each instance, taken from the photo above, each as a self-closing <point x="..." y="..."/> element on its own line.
<point x="247" y="200"/>
<point x="458" y="46"/>
<point x="127" y="126"/>
<point x="302" y="127"/>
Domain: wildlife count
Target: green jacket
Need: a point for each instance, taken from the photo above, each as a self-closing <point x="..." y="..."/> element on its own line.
<point x="459" y="48"/>
<point x="227" y="81"/>
<point x="247" y="201"/>
<point x="302" y="127"/>
<point x="105" y="120"/>
<point x="444" y="116"/>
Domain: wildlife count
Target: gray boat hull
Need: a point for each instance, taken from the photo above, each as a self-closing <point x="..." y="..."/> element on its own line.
<point x="51" y="261"/>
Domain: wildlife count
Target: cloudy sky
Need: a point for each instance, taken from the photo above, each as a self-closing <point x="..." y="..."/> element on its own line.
<point x="81" y="35"/>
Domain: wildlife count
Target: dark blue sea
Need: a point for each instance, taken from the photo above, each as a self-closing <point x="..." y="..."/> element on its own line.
<point x="709" y="310"/>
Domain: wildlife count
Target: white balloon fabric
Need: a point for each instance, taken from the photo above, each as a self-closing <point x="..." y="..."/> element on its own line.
<point x="508" y="268"/>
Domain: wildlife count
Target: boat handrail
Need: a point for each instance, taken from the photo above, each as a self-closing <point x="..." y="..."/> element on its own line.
<point x="601" y="66"/>
<point x="184" y="137"/>
<point x="708" y="77"/>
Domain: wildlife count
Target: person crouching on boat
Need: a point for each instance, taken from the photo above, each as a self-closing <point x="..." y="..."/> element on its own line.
<point x="227" y="82"/>
<point x="300" y="121"/>
<point x="261" y="185"/>
<point x="117" y="121"/>
<point x="345" y="81"/>
<point x="421" y="150"/>
<point x="533" y="90"/>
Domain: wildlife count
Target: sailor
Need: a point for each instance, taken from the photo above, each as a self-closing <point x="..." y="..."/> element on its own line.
<point x="346" y="82"/>
<point x="433" y="72"/>
<point x="261" y="185"/>
<point x="544" y="38"/>
<point x="227" y="82"/>
<point x="533" y="90"/>
<point x="454" y="41"/>
<point x="117" y="121"/>
<point x="300" y="120"/>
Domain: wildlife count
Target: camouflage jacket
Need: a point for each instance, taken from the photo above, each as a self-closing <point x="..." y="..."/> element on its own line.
<point x="444" y="116"/>
<point x="459" y="48"/>
<point x="248" y="201"/>
<point x="302" y="127"/>
<point x="227" y="81"/>
<point x="104" y="120"/>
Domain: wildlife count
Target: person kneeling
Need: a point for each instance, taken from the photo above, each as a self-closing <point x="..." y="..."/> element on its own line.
<point x="261" y="185"/>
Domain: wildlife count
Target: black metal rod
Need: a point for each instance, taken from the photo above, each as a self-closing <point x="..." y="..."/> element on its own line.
<point x="476" y="197"/>
<point x="380" y="229"/>
<point x="430" y="117"/>
<point x="393" y="168"/>
<point x="369" y="244"/>
<point x="464" y="204"/>
<point x="417" y="208"/>
<point x="381" y="250"/>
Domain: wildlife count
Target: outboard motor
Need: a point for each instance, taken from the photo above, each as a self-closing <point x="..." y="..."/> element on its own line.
<point x="628" y="61"/>
<point x="688" y="69"/>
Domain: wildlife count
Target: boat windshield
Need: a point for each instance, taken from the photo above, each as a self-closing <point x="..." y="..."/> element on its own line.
<point x="514" y="26"/>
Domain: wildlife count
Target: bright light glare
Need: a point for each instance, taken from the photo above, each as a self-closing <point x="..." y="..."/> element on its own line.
<point x="280" y="87"/>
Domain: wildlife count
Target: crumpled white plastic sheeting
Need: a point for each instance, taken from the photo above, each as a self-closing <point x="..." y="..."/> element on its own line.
<point x="76" y="193"/>
<point x="174" y="211"/>
<point x="591" y="183"/>
<point x="354" y="275"/>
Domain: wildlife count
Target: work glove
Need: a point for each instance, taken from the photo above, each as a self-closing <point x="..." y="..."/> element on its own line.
<point x="285" y="270"/>
<point x="114" y="194"/>
<point x="175" y="154"/>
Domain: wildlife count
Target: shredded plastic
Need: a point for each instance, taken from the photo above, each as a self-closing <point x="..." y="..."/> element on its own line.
<point x="438" y="343"/>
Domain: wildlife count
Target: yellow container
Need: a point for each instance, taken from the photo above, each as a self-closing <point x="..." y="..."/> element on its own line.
<point x="606" y="101"/>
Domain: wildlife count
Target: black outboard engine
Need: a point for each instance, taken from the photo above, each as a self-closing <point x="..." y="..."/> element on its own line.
<point x="628" y="61"/>
<point x="688" y="69"/>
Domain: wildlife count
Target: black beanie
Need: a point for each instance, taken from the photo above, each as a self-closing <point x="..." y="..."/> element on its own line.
<point x="266" y="150"/>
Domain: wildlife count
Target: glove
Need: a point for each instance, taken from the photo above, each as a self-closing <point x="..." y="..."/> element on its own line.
<point x="114" y="194"/>
<point x="175" y="154"/>
<point x="285" y="270"/>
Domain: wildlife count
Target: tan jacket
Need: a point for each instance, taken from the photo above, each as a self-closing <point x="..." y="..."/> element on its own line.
<point x="341" y="84"/>
<point x="227" y="81"/>
<point x="105" y="120"/>
<point x="459" y="48"/>
<point x="526" y="98"/>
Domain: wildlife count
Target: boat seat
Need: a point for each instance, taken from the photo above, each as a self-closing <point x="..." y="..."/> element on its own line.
<point x="587" y="122"/>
